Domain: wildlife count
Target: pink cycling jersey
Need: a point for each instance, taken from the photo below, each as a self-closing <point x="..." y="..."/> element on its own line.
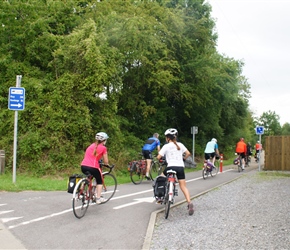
<point x="93" y="161"/>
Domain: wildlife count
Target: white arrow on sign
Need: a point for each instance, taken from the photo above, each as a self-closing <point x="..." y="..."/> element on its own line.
<point x="16" y="105"/>
<point x="137" y="201"/>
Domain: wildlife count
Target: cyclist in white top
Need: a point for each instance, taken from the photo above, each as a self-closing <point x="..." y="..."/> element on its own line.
<point x="173" y="152"/>
<point x="211" y="150"/>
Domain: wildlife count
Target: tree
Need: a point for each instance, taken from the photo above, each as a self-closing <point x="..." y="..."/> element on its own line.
<point x="286" y="129"/>
<point x="270" y="121"/>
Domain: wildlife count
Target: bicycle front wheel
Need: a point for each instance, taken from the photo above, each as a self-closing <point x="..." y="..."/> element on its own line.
<point x="109" y="187"/>
<point x="153" y="170"/>
<point x="136" y="174"/>
<point x="81" y="198"/>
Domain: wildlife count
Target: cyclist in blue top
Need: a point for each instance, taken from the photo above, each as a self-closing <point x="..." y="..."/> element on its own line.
<point x="150" y="145"/>
<point x="211" y="150"/>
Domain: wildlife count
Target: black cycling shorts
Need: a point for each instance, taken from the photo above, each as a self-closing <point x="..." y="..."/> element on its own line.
<point x="179" y="172"/>
<point x="147" y="154"/>
<point x="94" y="172"/>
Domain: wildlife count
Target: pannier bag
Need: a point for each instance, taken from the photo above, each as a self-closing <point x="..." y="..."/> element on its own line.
<point x="72" y="182"/>
<point x="236" y="161"/>
<point x="159" y="186"/>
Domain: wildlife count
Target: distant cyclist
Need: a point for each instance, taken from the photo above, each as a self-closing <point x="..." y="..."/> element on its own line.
<point x="211" y="150"/>
<point x="241" y="149"/>
<point x="174" y="152"/>
<point x="150" y="145"/>
<point x="258" y="148"/>
<point x="95" y="152"/>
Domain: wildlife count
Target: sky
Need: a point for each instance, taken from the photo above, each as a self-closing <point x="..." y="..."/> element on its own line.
<point x="257" y="32"/>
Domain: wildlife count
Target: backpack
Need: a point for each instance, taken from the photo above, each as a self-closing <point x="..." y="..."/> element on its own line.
<point x="159" y="186"/>
<point x="72" y="182"/>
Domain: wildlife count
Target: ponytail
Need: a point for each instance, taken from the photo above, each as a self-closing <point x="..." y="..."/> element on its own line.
<point x="173" y="139"/>
<point x="95" y="153"/>
<point x="177" y="146"/>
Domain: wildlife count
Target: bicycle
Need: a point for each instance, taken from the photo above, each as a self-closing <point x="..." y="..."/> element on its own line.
<point x="138" y="169"/>
<point x="247" y="160"/>
<point x="209" y="169"/>
<point x="170" y="190"/>
<point x="257" y="157"/>
<point x="84" y="191"/>
<point x="240" y="162"/>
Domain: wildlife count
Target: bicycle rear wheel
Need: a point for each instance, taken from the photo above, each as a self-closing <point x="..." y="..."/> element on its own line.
<point x="136" y="174"/>
<point x="215" y="169"/>
<point x="240" y="164"/>
<point x="204" y="173"/>
<point x="167" y="203"/>
<point x="109" y="187"/>
<point x="81" y="198"/>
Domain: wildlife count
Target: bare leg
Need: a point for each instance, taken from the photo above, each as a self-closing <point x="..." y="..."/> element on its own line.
<point x="99" y="190"/>
<point x="184" y="189"/>
<point x="148" y="166"/>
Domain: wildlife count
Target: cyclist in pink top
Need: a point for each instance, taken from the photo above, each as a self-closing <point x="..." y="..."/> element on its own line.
<point x="90" y="163"/>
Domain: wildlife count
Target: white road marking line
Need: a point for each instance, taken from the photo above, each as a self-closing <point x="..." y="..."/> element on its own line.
<point x="137" y="201"/>
<point x="40" y="218"/>
<point x="5" y="212"/>
<point x="4" y="220"/>
<point x="114" y="198"/>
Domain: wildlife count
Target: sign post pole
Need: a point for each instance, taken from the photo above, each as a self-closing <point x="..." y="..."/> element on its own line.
<point x="194" y="131"/>
<point x="260" y="131"/>
<point x="16" y="101"/>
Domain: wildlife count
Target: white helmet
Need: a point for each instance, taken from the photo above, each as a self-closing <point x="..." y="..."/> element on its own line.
<point x="101" y="136"/>
<point x="214" y="139"/>
<point x="171" y="131"/>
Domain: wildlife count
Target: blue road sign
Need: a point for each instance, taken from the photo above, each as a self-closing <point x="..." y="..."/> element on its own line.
<point x="16" y="99"/>
<point x="259" y="130"/>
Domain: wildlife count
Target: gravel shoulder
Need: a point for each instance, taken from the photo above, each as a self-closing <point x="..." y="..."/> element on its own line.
<point x="251" y="212"/>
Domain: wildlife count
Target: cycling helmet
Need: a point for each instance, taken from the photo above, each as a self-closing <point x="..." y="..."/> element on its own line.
<point x="101" y="136"/>
<point x="214" y="139"/>
<point x="258" y="141"/>
<point x="171" y="131"/>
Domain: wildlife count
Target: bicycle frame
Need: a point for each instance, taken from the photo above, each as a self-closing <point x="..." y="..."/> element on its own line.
<point x="171" y="180"/>
<point x="170" y="190"/>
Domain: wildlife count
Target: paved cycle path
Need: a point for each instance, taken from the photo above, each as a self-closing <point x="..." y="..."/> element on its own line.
<point x="44" y="220"/>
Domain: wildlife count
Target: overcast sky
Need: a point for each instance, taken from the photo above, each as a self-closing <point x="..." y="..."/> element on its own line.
<point x="258" y="33"/>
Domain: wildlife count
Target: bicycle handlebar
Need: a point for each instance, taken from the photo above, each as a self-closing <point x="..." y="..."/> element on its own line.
<point x="107" y="166"/>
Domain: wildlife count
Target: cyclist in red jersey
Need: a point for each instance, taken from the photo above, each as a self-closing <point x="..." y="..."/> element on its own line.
<point x="241" y="149"/>
<point x="95" y="152"/>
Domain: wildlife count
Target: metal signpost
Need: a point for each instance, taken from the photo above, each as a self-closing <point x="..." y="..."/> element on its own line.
<point x="16" y="102"/>
<point x="194" y="131"/>
<point x="260" y="132"/>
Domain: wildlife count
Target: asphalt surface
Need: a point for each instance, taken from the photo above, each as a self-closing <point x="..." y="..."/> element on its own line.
<point x="8" y="239"/>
